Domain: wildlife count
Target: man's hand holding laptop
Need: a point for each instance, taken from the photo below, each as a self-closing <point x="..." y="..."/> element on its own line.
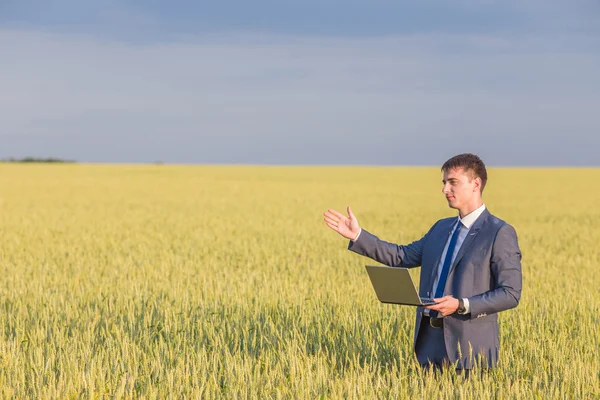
<point x="445" y="305"/>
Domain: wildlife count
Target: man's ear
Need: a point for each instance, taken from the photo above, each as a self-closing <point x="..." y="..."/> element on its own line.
<point x="477" y="182"/>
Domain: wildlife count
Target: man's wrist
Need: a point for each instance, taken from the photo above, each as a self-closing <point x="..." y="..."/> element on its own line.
<point x="463" y="306"/>
<point x="357" y="235"/>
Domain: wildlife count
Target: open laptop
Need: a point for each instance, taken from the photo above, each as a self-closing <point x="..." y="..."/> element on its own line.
<point x="395" y="286"/>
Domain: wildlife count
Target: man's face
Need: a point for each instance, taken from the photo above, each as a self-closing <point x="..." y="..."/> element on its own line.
<point x="460" y="188"/>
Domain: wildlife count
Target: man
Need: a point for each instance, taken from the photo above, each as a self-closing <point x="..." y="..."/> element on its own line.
<point x="471" y="265"/>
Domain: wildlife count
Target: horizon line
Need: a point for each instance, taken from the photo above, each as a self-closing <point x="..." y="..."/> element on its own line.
<point x="291" y="165"/>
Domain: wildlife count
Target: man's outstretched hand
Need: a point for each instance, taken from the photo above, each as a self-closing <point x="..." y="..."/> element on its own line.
<point x="346" y="226"/>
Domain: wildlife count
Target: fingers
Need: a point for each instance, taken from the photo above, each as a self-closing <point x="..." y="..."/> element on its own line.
<point x="350" y="214"/>
<point x="331" y="221"/>
<point x="335" y="213"/>
<point x="444" y="305"/>
<point x="436" y="306"/>
<point x="439" y="303"/>
<point x="441" y="308"/>
<point x="329" y="215"/>
<point x="333" y="217"/>
<point x="334" y="227"/>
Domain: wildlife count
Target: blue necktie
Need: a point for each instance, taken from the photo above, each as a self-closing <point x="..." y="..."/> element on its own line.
<point x="439" y="291"/>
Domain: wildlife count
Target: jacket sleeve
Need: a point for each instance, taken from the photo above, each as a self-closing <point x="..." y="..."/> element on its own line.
<point x="389" y="254"/>
<point x="506" y="270"/>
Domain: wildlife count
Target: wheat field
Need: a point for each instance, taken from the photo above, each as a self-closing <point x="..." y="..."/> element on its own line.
<point x="159" y="281"/>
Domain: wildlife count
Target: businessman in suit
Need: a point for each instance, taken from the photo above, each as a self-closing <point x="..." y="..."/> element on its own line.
<point x="470" y="265"/>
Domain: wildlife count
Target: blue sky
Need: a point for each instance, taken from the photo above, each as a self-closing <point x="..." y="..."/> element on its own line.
<point x="301" y="82"/>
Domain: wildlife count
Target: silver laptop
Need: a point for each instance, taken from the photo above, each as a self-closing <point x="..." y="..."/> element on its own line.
<point x="394" y="285"/>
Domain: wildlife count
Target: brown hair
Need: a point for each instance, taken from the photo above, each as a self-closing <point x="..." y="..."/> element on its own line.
<point x="471" y="164"/>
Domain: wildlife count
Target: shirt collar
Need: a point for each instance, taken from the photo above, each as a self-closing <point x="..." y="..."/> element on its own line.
<point x="470" y="218"/>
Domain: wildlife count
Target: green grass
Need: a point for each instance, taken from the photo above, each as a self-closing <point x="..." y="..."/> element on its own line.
<point x="224" y="282"/>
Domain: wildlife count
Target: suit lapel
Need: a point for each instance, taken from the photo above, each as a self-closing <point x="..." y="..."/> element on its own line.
<point x="473" y="232"/>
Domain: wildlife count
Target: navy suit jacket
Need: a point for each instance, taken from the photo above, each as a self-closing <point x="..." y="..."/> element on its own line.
<point x="486" y="270"/>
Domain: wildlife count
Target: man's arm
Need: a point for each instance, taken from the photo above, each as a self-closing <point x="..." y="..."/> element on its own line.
<point x="366" y="244"/>
<point x="386" y="253"/>
<point x="506" y="269"/>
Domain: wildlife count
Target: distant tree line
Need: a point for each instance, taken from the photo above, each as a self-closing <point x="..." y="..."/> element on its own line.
<point x="36" y="160"/>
